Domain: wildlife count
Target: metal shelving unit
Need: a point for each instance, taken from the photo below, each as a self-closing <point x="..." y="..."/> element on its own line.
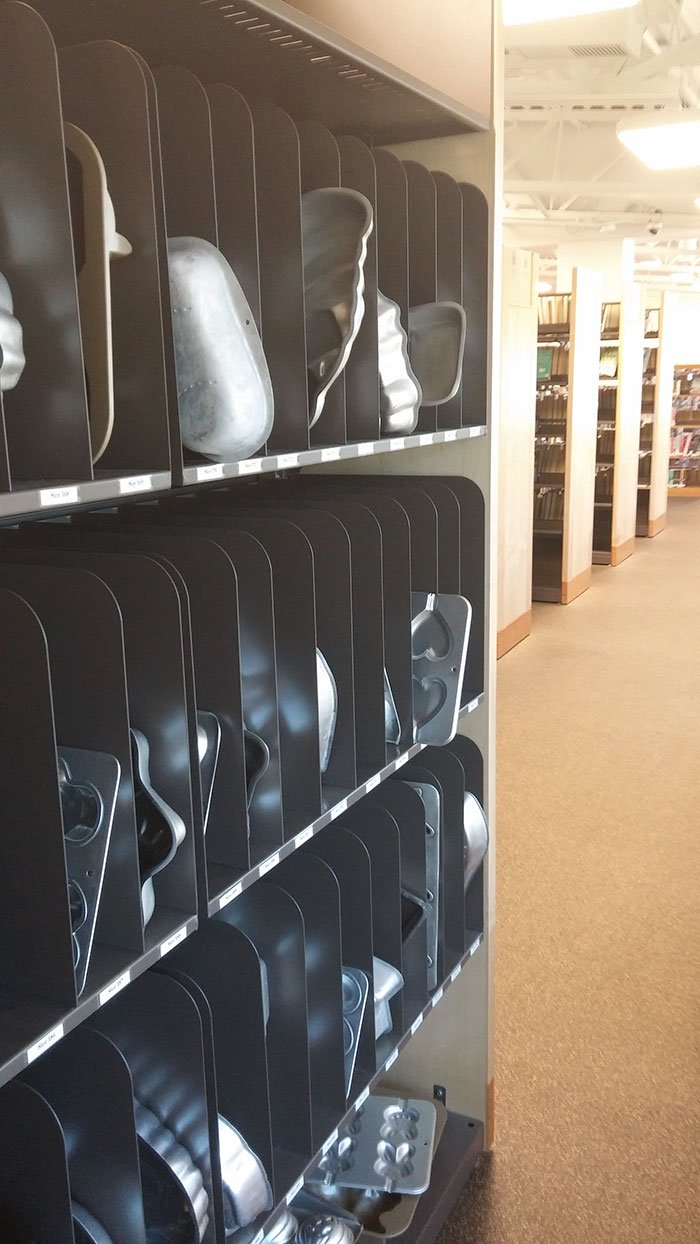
<point x="168" y="587"/>
<point x="655" y="431"/>
<point x="565" y="440"/>
<point x="618" y="445"/>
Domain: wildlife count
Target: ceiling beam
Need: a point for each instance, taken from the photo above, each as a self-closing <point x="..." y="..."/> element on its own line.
<point x="684" y="53"/>
<point x="651" y="187"/>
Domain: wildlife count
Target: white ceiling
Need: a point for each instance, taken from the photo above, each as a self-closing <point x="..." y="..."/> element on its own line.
<point x="567" y="176"/>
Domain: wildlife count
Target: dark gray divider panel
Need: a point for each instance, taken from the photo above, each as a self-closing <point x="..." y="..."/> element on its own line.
<point x="449" y="533"/>
<point x="257" y="652"/>
<point x="154" y="651"/>
<point x="86" y="1080"/>
<point x="46" y="415"/>
<point x="34" y="1188"/>
<point x="392" y="230"/>
<point x="224" y="963"/>
<point x="234" y="175"/>
<point x="358" y="172"/>
<point x="104" y="90"/>
<point x="475" y="258"/>
<point x="199" y="1142"/>
<point x="472" y="575"/>
<point x="282" y="275"/>
<point x="396" y="569"/>
<point x="186" y="154"/>
<point x="273" y="922"/>
<point x="330" y="544"/>
<point x="406" y="807"/>
<point x="313" y="885"/>
<point x="422" y="254"/>
<point x="88" y="680"/>
<point x="350" y="861"/>
<point x="450" y="227"/>
<point x="440" y="767"/>
<point x="4" y="459"/>
<point x="472" y="763"/>
<point x="377" y="829"/>
<point x="320" y="167"/>
<point x="291" y="558"/>
<point x="37" y="953"/>
<point x="157" y="1026"/>
<point x="212" y="593"/>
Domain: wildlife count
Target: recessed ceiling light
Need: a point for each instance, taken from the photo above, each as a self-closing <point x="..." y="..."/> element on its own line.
<point x="523" y="12"/>
<point x="668" y="140"/>
<point x="544" y="287"/>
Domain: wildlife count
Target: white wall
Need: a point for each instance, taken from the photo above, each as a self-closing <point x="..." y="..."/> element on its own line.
<point x="686" y="334"/>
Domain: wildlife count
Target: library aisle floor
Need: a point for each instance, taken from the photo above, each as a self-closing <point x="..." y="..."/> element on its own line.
<point x="598" y="939"/>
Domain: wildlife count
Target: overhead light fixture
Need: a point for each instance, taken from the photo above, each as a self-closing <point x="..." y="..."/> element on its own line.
<point x="697" y="202"/>
<point x="544" y="287"/>
<point x="525" y="12"/>
<point x="668" y="140"/>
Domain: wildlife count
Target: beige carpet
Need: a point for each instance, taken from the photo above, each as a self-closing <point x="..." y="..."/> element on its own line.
<point x="598" y="952"/>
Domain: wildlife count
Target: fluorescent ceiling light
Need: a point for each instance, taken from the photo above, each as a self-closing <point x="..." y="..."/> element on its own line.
<point x="524" y="12"/>
<point x="668" y="140"/>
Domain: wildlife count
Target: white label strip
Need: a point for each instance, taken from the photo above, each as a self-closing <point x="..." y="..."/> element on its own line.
<point x="116" y="987"/>
<point x="58" y="496"/>
<point x="416" y="1025"/>
<point x="215" y="470"/>
<point x="270" y="863"/>
<point x="229" y="895"/>
<point x="286" y="460"/>
<point x="373" y="781"/>
<point x="362" y="1098"/>
<point x="304" y="836"/>
<point x="173" y="940"/>
<point x="364" y="449"/>
<point x="44" y="1043"/>
<point x="451" y="435"/>
<point x="400" y="760"/>
<point x="339" y="808"/>
<point x="250" y="466"/>
<point x="391" y="1060"/>
<point x="328" y="1144"/>
<point x="473" y="704"/>
<point x="294" y="1190"/>
<point x="437" y="996"/>
<point x="330" y="455"/>
<point x="455" y="972"/>
<point x="136" y="483"/>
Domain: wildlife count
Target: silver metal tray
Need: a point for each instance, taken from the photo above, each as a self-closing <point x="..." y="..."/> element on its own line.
<point x="440" y="627"/>
<point x="393" y="1150"/>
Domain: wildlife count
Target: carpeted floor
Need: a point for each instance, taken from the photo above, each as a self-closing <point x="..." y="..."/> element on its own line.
<point x="598" y="946"/>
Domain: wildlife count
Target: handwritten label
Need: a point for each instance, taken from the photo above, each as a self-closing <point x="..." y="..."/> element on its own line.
<point x="372" y="782"/>
<point x="58" y="496"/>
<point x="364" y="449"/>
<point x="287" y="460"/>
<point x="391" y="1060"/>
<point x="116" y="987"/>
<point x="339" y="808"/>
<point x="250" y="466"/>
<point x="416" y="1025"/>
<point x="304" y="836"/>
<point x="329" y="1143"/>
<point x="230" y="894"/>
<point x="451" y="436"/>
<point x="330" y="455"/>
<point x="362" y="1098"/>
<point x="294" y="1191"/>
<point x="270" y="863"/>
<point x="173" y="940"/>
<point x="136" y="483"/>
<point x="437" y="996"/>
<point x="399" y="442"/>
<point x="473" y="704"/>
<point x="215" y="470"/>
<point x="455" y="972"/>
<point x="44" y="1043"/>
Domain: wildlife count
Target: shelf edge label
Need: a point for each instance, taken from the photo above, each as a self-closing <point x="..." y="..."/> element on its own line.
<point x="136" y="483"/>
<point x="173" y="940"/>
<point x="249" y="466"/>
<point x="329" y="1143"/>
<point x="66" y="495"/>
<point x="116" y="987"/>
<point x="215" y="470"/>
<point x="44" y="1043"/>
<point x="229" y="895"/>
<point x="268" y="864"/>
<point x="391" y="1060"/>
